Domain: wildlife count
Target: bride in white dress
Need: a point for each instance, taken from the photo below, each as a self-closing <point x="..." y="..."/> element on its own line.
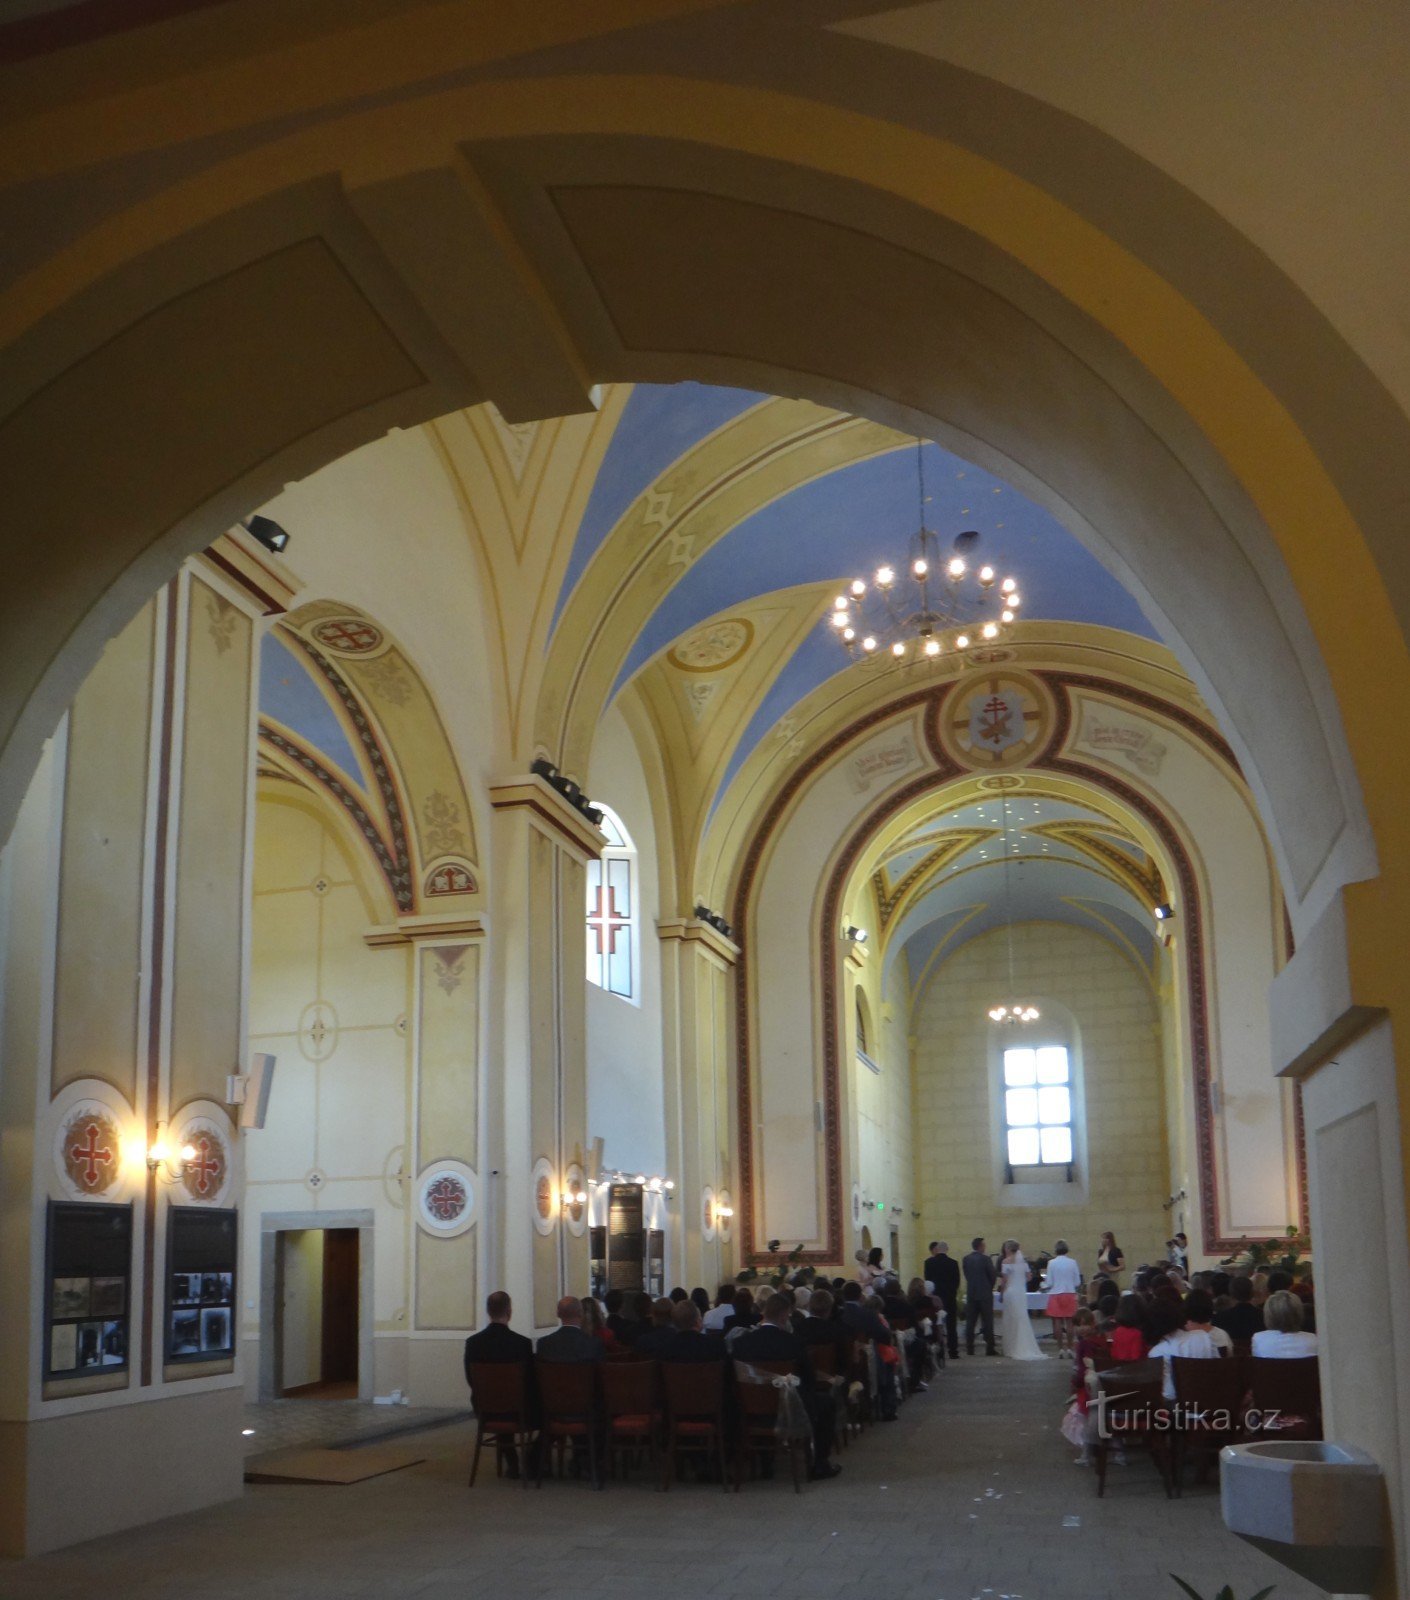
<point x="1019" y="1342"/>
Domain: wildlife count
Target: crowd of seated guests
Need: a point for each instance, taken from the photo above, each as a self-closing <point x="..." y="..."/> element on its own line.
<point x="792" y="1323"/>
<point x="1209" y="1316"/>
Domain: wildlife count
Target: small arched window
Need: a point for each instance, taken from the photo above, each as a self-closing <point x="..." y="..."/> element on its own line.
<point x="612" y="912"/>
<point x="861" y="1026"/>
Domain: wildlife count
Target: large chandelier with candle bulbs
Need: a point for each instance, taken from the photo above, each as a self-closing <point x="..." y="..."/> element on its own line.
<point x="934" y="604"/>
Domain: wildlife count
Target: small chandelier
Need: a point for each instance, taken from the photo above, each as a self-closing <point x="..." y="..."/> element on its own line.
<point x="1011" y="1013"/>
<point x="934" y="605"/>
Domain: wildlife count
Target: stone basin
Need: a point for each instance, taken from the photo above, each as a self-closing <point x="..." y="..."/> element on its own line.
<point x="1317" y="1507"/>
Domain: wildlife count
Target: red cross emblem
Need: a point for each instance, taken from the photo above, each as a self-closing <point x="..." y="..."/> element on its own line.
<point x="348" y="635"/>
<point x="605" y="920"/>
<point x="995" y="719"/>
<point x="93" y="1157"/>
<point x="202" y="1172"/>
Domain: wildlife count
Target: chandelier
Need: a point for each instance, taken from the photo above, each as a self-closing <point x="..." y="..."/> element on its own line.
<point x="937" y="603"/>
<point x="1013" y="1013"/>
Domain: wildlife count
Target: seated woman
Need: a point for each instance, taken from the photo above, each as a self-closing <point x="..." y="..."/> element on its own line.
<point x="595" y="1323"/>
<point x="1282" y="1337"/>
<point x="1091" y="1343"/>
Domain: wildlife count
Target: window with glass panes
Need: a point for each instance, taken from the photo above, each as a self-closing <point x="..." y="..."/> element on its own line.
<point x="611" y="911"/>
<point x="1038" y="1106"/>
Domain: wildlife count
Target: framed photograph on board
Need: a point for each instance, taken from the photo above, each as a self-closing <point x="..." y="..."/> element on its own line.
<point x="200" y="1274"/>
<point x="89" y="1275"/>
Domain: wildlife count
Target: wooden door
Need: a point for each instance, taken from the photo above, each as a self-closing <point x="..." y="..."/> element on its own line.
<point x="340" y="1305"/>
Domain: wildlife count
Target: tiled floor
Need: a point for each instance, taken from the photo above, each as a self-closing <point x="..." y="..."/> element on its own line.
<point x="971" y="1494"/>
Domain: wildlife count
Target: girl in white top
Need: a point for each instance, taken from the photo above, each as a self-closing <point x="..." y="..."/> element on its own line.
<point x="1283" y="1337"/>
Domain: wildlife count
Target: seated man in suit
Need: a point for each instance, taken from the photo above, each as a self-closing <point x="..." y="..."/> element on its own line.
<point x="690" y="1342"/>
<point x="774" y="1340"/>
<point x="861" y="1320"/>
<point x="497" y="1344"/>
<point x="820" y="1327"/>
<point x="659" y="1333"/>
<point x="568" y="1341"/>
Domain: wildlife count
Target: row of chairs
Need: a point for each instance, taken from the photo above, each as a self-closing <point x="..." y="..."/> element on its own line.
<point x="1217" y="1402"/>
<point x="613" y="1413"/>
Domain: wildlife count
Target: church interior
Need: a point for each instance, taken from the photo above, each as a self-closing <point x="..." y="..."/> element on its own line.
<point x="662" y="641"/>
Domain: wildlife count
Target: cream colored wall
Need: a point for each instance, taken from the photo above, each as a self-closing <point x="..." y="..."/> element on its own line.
<point x="958" y="1096"/>
<point x="884" y="1163"/>
<point x="625" y="1104"/>
<point x="337" y="1132"/>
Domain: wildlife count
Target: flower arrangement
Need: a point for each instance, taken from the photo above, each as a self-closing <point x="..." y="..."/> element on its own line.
<point x="779" y="1272"/>
<point x="1292" y="1253"/>
<point x="1226" y="1593"/>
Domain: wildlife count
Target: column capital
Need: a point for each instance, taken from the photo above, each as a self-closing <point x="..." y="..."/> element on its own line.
<point x="425" y="930"/>
<point x="689" y="930"/>
<point x="553" y="811"/>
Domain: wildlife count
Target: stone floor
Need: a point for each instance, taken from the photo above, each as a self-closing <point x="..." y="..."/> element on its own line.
<point x="280" y="1424"/>
<point x="973" y="1493"/>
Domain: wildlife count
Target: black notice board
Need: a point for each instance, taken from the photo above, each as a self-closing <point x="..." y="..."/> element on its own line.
<point x="88" y="1282"/>
<point x="201" y="1248"/>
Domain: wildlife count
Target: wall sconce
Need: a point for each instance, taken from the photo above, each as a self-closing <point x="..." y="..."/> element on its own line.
<point x="723" y="1213"/>
<point x="160" y="1156"/>
<point x="855" y="935"/>
<point x="1163" y="913"/>
<point x="573" y="1197"/>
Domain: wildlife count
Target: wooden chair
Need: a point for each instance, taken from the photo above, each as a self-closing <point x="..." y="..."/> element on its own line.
<point x="499" y="1393"/>
<point x="758" y="1423"/>
<point x="569" y="1412"/>
<point x="1285" y="1398"/>
<point x="695" y="1414"/>
<point x="1209" y="1394"/>
<point x="632" y="1409"/>
<point x="1134" y="1411"/>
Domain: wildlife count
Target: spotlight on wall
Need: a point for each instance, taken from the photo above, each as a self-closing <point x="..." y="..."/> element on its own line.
<point x="268" y="532"/>
<point x="1163" y="913"/>
<point x="855" y="935"/>
<point x="714" y="920"/>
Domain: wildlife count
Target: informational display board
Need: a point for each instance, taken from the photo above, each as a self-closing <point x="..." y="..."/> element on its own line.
<point x="88" y="1287"/>
<point x="655" y="1263"/>
<point x="200" y="1303"/>
<point x="626" y="1240"/>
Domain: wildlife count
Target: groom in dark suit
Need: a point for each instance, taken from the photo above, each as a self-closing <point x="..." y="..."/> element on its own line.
<point x="979" y="1278"/>
<point x="942" y="1271"/>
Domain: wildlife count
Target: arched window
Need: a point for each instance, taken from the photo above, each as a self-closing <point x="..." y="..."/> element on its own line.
<point x="1038" y="1106"/>
<point x="861" y="1026"/>
<point x="612" y="912"/>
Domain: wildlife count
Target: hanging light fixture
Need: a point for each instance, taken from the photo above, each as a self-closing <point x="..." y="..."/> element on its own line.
<point x="932" y="606"/>
<point x="1012" y="1012"/>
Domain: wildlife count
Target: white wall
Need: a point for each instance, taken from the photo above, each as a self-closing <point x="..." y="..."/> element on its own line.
<point x="626" y="1105"/>
<point x="303" y="1307"/>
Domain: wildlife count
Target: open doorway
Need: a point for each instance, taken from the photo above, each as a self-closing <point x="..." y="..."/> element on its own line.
<point x="318" y="1323"/>
<point x="895" y="1250"/>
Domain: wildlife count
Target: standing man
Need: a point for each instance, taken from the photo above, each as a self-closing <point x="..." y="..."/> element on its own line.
<point x="942" y="1272"/>
<point x="979" y="1279"/>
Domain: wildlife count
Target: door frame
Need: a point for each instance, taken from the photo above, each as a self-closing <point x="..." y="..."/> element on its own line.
<point x="271" y="1296"/>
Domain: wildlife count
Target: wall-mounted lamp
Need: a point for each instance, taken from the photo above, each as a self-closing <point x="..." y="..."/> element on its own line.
<point x="575" y="1195"/>
<point x="1163" y="913"/>
<point x="165" y="1163"/>
<point x="723" y="1213"/>
<point x="268" y="532"/>
<point x="855" y="935"/>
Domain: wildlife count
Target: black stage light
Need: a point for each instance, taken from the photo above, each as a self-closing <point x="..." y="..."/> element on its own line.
<point x="269" y="533"/>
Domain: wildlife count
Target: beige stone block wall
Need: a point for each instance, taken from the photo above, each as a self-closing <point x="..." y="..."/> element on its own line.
<point x="958" y="1094"/>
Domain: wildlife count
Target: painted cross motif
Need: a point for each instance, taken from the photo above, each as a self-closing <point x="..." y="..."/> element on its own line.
<point x="606" y="921"/>
<point x="445" y="1198"/>
<point x="90" y="1155"/>
<point x="995" y="720"/>
<point x="202" y="1174"/>
<point x="348" y="635"/>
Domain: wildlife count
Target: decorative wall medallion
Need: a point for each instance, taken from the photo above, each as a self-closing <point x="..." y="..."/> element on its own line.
<point x="315" y="1178"/>
<point x="991" y="655"/>
<point x="87" y="1149"/>
<point x="576" y="1216"/>
<point x="707" y="1214"/>
<point x="714" y="647"/>
<point x="320" y="886"/>
<point x="347" y="636"/>
<point x="205" y="1176"/>
<point x="726" y="1222"/>
<point x="543" y="1198"/>
<point x="318" y="1031"/>
<point x="445" y="1198"/>
<point x="450" y="878"/>
<point x="995" y="719"/>
<point x="999" y="784"/>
